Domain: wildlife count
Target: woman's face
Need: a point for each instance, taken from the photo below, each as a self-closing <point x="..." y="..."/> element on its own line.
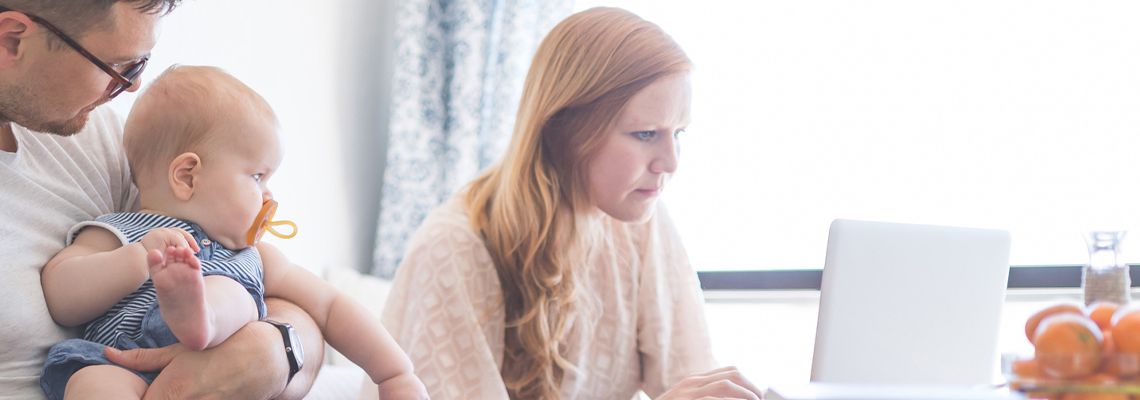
<point x="639" y="152"/>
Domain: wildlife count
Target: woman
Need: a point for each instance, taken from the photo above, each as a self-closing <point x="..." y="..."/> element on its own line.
<point x="554" y="274"/>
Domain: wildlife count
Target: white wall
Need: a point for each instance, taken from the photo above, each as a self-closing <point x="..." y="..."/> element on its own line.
<point x="323" y="68"/>
<point x="1009" y="114"/>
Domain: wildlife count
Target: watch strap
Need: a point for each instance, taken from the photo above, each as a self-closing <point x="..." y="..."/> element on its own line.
<point x="287" y="340"/>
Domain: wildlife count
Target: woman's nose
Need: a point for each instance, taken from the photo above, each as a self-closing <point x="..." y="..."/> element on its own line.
<point x="665" y="156"/>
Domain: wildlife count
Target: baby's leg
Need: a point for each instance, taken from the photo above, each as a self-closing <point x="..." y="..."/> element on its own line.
<point x="200" y="311"/>
<point x="104" y="382"/>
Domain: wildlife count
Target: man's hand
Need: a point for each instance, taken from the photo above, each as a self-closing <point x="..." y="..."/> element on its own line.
<point x="723" y="383"/>
<point x="239" y="368"/>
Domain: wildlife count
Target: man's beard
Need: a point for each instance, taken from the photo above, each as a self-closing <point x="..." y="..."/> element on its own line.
<point x="17" y="105"/>
<point x="61" y="128"/>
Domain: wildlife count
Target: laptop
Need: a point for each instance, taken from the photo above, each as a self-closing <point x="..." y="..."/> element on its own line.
<point x="909" y="304"/>
<point x="852" y="391"/>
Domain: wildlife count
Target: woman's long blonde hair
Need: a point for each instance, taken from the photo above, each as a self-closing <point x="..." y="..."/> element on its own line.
<point x="526" y="207"/>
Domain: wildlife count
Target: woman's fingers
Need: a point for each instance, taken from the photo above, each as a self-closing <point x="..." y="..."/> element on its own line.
<point x="734" y="375"/>
<point x="726" y="388"/>
<point x="725" y="382"/>
<point x="726" y="373"/>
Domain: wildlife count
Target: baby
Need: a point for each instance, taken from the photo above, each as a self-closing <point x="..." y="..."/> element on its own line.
<point x="188" y="266"/>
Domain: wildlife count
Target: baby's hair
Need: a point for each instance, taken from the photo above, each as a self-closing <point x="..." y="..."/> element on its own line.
<point x="180" y="112"/>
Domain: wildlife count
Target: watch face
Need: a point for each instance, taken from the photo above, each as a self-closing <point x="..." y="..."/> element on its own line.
<point x="298" y="350"/>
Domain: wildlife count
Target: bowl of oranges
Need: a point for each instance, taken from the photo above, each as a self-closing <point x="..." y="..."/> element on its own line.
<point x="1079" y="353"/>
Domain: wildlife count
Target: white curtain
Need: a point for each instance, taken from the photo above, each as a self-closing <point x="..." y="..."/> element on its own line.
<point x="459" y="70"/>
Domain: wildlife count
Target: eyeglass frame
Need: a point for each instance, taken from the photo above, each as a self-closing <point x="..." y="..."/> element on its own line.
<point x="120" y="82"/>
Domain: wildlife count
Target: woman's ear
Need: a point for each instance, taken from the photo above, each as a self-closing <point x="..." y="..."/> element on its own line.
<point x="183" y="175"/>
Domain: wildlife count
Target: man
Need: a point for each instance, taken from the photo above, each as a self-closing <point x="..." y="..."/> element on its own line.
<point x="61" y="162"/>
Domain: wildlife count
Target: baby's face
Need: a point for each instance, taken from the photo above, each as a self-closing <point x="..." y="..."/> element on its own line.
<point x="235" y="176"/>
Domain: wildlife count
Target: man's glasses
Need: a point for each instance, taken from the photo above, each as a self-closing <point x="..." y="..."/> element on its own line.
<point x="119" y="81"/>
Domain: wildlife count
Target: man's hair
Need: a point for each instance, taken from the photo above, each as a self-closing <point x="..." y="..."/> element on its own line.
<point x="77" y="17"/>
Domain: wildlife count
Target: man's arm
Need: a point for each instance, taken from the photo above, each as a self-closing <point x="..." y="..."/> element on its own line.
<point x="251" y="364"/>
<point x="281" y="310"/>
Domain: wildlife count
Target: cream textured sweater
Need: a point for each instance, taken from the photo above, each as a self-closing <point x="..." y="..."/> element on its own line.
<point x="446" y="311"/>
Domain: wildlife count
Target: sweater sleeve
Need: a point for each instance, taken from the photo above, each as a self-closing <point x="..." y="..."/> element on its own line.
<point x="672" y="333"/>
<point x="445" y="310"/>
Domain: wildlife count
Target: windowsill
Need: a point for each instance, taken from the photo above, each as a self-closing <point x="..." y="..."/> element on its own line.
<point x="1020" y="277"/>
<point x="769" y="296"/>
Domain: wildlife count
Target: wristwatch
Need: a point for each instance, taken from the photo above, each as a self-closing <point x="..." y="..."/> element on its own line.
<point x="293" y="349"/>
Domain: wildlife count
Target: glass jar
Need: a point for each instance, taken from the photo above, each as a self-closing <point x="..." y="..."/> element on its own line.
<point x="1105" y="278"/>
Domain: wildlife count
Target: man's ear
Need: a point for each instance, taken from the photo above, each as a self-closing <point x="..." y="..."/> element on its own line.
<point x="14" y="32"/>
<point x="183" y="175"/>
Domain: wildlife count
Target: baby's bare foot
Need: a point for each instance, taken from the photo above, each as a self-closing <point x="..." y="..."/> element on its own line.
<point x="181" y="295"/>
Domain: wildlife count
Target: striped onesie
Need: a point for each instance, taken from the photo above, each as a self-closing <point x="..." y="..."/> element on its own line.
<point x="135" y="321"/>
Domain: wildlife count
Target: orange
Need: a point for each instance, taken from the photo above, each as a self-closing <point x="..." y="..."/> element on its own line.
<point x="1126" y="341"/>
<point x="1024" y="370"/>
<point x="1068" y="346"/>
<point x="1122" y="365"/>
<point x="1109" y="342"/>
<point x="1095" y="396"/>
<point x="1101" y="312"/>
<point x="1100" y="379"/>
<point x="1027" y="368"/>
<point x="1126" y="330"/>
<point x="1035" y="319"/>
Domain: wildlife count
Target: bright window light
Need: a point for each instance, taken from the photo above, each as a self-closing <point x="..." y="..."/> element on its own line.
<point x="1013" y="114"/>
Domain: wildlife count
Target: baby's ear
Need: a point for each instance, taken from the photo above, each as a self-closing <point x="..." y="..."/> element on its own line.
<point x="183" y="175"/>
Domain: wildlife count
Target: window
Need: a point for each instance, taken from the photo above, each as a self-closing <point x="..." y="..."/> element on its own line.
<point x="1013" y="114"/>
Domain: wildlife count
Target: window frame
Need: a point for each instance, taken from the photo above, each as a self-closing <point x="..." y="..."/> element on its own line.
<point x="1020" y="277"/>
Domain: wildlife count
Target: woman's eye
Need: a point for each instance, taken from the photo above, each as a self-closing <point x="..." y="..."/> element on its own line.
<point x="645" y="135"/>
<point x="257" y="177"/>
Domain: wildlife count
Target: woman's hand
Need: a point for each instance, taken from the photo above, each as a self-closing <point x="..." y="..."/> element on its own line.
<point x="722" y="383"/>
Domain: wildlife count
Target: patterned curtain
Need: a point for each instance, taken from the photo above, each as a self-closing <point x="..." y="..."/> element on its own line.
<point x="459" y="69"/>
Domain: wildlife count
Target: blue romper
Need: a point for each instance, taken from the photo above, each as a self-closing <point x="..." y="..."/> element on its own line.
<point x="135" y="321"/>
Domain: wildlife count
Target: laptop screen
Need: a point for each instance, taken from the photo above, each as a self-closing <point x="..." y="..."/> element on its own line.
<point x="916" y="304"/>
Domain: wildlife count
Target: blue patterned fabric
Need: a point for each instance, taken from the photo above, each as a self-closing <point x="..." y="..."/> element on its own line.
<point x="135" y="321"/>
<point x="125" y="317"/>
<point x="458" y="78"/>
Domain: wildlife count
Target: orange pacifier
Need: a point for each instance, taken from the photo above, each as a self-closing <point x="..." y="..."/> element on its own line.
<point x="264" y="223"/>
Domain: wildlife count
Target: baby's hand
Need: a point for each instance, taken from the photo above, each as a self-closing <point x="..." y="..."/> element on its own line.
<point x="403" y="386"/>
<point x="161" y="238"/>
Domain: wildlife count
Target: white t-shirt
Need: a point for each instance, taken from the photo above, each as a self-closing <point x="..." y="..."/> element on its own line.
<point x="48" y="185"/>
